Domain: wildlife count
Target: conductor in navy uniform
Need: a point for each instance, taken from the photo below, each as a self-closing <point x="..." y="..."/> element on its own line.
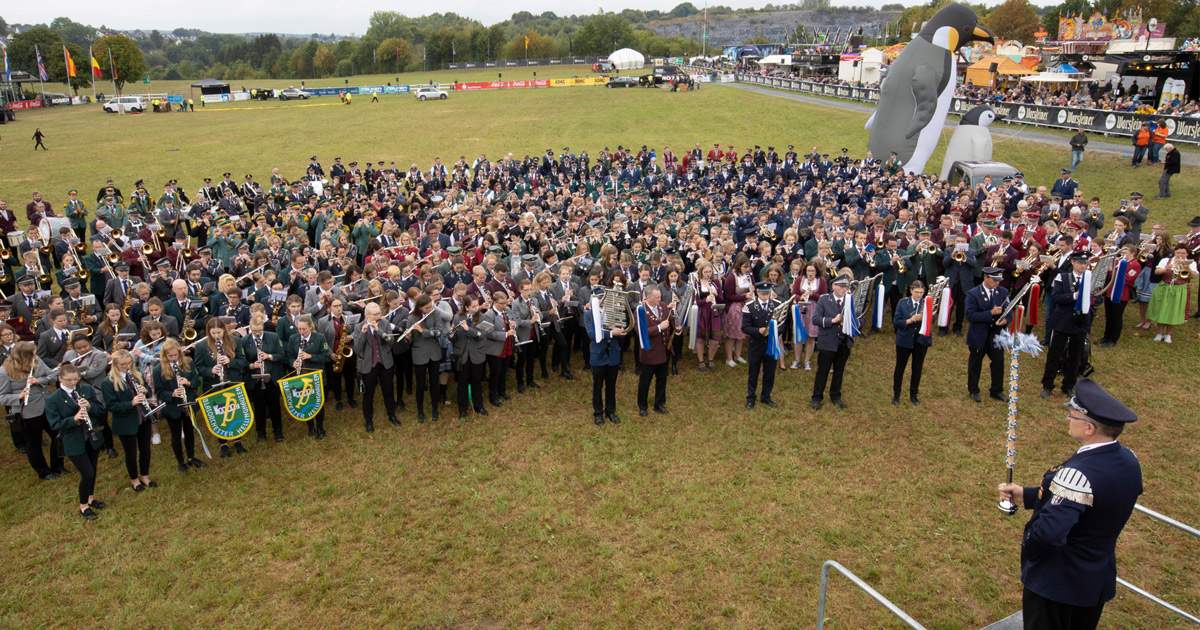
<point x="1068" y="560"/>
<point x="756" y="325"/>
<point x="1068" y="327"/>
<point x="985" y="302"/>
<point x="833" y="344"/>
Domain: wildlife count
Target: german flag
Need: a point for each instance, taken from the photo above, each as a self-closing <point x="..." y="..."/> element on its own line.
<point x="96" y="68"/>
<point x="70" y="63"/>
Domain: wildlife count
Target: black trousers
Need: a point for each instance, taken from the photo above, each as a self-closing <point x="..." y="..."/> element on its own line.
<point x="826" y="360"/>
<point x="86" y="465"/>
<point x="341" y="383"/>
<point x="767" y="364"/>
<point x="137" y="451"/>
<point x="1114" y="319"/>
<point x="917" y="352"/>
<point x="604" y="381"/>
<point x="381" y="377"/>
<point x="525" y="356"/>
<point x="33" y="428"/>
<point x="429" y="372"/>
<point x="265" y="401"/>
<point x="497" y="377"/>
<point x="183" y="439"/>
<point x="1066" y="349"/>
<point x="404" y="374"/>
<point x="18" y="437"/>
<point x="659" y="374"/>
<point x="975" y="366"/>
<point x="543" y="346"/>
<point x="1043" y="614"/>
<point x="470" y="375"/>
<point x="959" y="297"/>
<point x="562" y="346"/>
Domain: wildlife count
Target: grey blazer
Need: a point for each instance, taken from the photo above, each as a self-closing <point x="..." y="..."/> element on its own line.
<point x="520" y="316"/>
<point x="51" y="347"/>
<point x="467" y="343"/>
<point x="10" y="391"/>
<point x="399" y="322"/>
<point x="492" y="341"/>
<point x="313" y="305"/>
<point x="425" y="345"/>
<point x="361" y="342"/>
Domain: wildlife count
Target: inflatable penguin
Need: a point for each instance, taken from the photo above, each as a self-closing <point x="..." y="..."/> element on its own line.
<point x="972" y="141"/>
<point x="916" y="93"/>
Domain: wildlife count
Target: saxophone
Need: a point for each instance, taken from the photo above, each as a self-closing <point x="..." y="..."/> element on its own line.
<point x="342" y="351"/>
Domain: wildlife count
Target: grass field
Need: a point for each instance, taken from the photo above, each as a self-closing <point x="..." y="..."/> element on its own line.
<point x="711" y="517"/>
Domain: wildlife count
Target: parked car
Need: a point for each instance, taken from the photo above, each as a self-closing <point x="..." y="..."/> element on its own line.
<point x="289" y="93"/>
<point x="123" y="104"/>
<point x="428" y="92"/>
<point x="974" y="172"/>
<point x="621" y="82"/>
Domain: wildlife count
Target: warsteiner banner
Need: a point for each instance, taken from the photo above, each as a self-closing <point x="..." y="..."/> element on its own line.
<point x="303" y="395"/>
<point x="227" y="413"/>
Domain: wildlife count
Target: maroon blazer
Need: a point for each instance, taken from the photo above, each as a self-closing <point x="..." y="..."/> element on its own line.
<point x="660" y="340"/>
<point x="509" y="286"/>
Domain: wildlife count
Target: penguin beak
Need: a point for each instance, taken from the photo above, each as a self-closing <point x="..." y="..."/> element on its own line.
<point x="983" y="35"/>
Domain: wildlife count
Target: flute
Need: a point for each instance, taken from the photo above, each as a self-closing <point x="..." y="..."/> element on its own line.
<point x="417" y="323"/>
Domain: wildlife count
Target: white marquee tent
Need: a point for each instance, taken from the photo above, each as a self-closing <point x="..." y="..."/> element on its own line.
<point x="627" y="59"/>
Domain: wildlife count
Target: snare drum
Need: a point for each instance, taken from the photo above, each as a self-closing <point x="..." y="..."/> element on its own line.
<point x="50" y="226"/>
<point x="435" y="199"/>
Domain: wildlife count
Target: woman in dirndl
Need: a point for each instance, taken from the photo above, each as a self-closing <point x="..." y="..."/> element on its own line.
<point x="738" y="285"/>
<point x="809" y="286"/>
<point x="710" y="299"/>
<point x="1168" y="304"/>
<point x="1148" y="281"/>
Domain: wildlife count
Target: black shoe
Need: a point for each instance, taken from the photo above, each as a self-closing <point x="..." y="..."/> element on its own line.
<point x="1001" y="397"/>
<point x="88" y="514"/>
<point x="241" y="450"/>
<point x="674" y="370"/>
<point x="420" y="416"/>
<point x="182" y="468"/>
<point x="816" y="404"/>
<point x="598" y="419"/>
<point x="320" y="434"/>
<point x="841" y="404"/>
<point x="339" y="404"/>
<point x="462" y="414"/>
<point x="495" y="402"/>
<point x="958" y="333"/>
<point x="504" y="397"/>
<point x="612" y="417"/>
<point x="895" y="400"/>
<point x="1069" y="392"/>
<point x="225" y="451"/>
<point x="914" y="400"/>
<point x="749" y="404"/>
<point x="1158" y="196"/>
<point x="942" y="332"/>
<point x="394" y="420"/>
<point x="353" y="405"/>
<point x="141" y="487"/>
<point x="770" y="403"/>
<point x="112" y="453"/>
<point x="642" y="412"/>
<point x="1196" y="315"/>
<point x="975" y="397"/>
<point x="567" y="376"/>
<point x="97" y="504"/>
<point x="482" y="411"/>
<point x="533" y="385"/>
<point x="545" y="375"/>
<point x="434" y="416"/>
<point x="278" y="437"/>
<point x="60" y="471"/>
<point x="661" y="409"/>
<point x="1045" y="392"/>
<point x="48" y="477"/>
<point x="520" y="388"/>
<point x="311" y="431"/>
<point x="401" y="406"/>
<point x="22" y="450"/>
<point x="152" y="484"/>
<point x="370" y="427"/>
<point x="262" y="437"/>
<point x="197" y="463"/>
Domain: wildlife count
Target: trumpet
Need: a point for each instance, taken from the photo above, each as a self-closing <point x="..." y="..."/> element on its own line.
<point x="959" y="255"/>
<point x="45" y="249"/>
<point x="1180" y="269"/>
<point x="5" y="254"/>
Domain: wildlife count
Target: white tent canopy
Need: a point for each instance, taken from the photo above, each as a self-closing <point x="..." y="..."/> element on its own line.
<point x="776" y="60"/>
<point x="627" y="59"/>
<point x="1054" y="77"/>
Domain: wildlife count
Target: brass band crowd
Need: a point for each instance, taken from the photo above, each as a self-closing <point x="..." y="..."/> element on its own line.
<point x="403" y="280"/>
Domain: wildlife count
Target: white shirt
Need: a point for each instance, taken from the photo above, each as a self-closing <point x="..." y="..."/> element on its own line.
<point x="1088" y="447"/>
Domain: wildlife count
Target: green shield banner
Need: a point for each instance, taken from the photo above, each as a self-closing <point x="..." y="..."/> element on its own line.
<point x="303" y="395"/>
<point x="227" y="413"/>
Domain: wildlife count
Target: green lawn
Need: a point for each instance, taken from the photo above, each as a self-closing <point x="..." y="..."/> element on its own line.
<point x="711" y="517"/>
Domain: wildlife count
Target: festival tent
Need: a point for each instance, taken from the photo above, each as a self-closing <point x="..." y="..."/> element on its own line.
<point x="987" y="70"/>
<point x="212" y="86"/>
<point x="627" y="59"/>
<point x="776" y="60"/>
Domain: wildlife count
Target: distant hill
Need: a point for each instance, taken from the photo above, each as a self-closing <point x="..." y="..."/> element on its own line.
<point x="738" y="28"/>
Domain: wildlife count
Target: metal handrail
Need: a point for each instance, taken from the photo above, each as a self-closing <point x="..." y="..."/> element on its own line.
<point x="1166" y="519"/>
<point x="895" y="610"/>
<point x="1158" y="600"/>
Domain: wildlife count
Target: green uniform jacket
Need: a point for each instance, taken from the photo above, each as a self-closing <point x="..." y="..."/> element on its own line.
<point x="60" y="414"/>
<point x="317" y="347"/>
<point x="235" y="371"/>
<point x="273" y="352"/>
<point x="362" y="235"/>
<point x="172" y="307"/>
<point x="76" y="211"/>
<point x="223" y="248"/>
<point x="120" y="404"/>
<point x="164" y="387"/>
<point x="923" y="266"/>
<point x="284" y="328"/>
<point x="98" y="278"/>
<point x="856" y="262"/>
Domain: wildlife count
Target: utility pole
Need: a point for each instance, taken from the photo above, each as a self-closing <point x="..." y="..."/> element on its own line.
<point x="704" y="32"/>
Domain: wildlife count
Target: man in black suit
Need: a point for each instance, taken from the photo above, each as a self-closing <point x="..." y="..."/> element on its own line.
<point x="1068" y="327"/>
<point x="756" y="325"/>
<point x="833" y="344"/>
<point x="984" y="304"/>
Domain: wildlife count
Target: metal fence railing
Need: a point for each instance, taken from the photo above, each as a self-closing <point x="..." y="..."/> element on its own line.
<point x="866" y="588"/>
<point x="1150" y="596"/>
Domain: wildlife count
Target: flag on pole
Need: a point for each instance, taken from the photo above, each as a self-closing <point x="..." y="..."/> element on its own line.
<point x="70" y="63"/>
<point x="526" y="43"/>
<point x="112" y="66"/>
<point x="41" y="66"/>
<point x="943" y="316"/>
<point x="96" y="72"/>
<point x="880" y="300"/>
<point x="799" y="330"/>
<point x="643" y="327"/>
<point x="1083" y="293"/>
<point x="927" y="317"/>
<point x="1117" y="293"/>
<point x="849" y="318"/>
<point x="774" y="342"/>
<point x="7" y="74"/>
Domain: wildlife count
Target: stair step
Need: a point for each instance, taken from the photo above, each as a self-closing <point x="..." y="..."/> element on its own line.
<point x="1015" y="621"/>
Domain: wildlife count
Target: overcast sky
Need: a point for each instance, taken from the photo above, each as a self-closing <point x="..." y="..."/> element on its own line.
<point x="343" y="17"/>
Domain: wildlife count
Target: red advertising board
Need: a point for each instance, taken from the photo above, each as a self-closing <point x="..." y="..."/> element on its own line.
<point x="15" y="105"/>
